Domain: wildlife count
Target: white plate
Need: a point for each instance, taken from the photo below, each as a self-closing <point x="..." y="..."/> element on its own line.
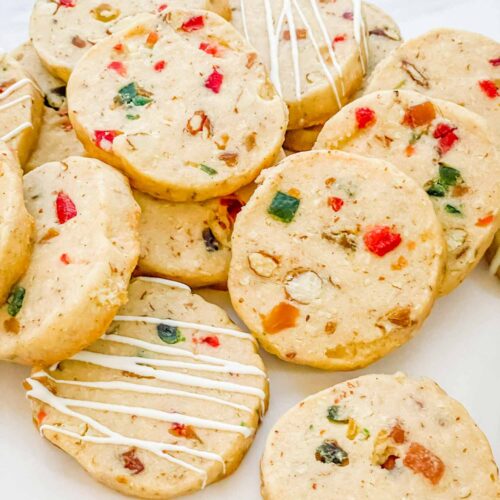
<point x="458" y="346"/>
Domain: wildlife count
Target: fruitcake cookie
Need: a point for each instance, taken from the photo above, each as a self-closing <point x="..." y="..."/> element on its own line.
<point x="64" y="30"/>
<point x="188" y="242"/>
<point x="325" y="271"/>
<point x="383" y="37"/>
<point x="454" y="65"/>
<point x="166" y="402"/>
<point x="379" y="436"/>
<point x="494" y="255"/>
<point x="446" y="149"/>
<point x="21" y="108"/>
<point x="316" y="51"/>
<point x="85" y="250"/>
<point x="185" y="107"/>
<point x="57" y="139"/>
<point x="16" y="224"/>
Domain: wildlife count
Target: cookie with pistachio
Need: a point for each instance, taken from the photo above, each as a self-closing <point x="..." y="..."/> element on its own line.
<point x="446" y="149"/>
<point x="86" y="247"/>
<point x="64" y="30"/>
<point x="16" y="225"/>
<point x="325" y="270"/>
<point x="57" y="139"/>
<point x="383" y="37"/>
<point x="448" y="64"/>
<point x="185" y="106"/>
<point x="379" y="436"/>
<point x="316" y="51"/>
<point x="167" y="402"/>
<point x="188" y="242"/>
<point x="21" y="108"/>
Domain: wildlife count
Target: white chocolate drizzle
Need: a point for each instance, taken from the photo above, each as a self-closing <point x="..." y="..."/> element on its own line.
<point x="186" y="324"/>
<point x="162" y="281"/>
<point x="8" y="92"/>
<point x="274" y="32"/>
<point x="144" y="367"/>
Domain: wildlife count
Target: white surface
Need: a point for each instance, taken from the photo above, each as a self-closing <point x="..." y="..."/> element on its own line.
<point x="458" y="347"/>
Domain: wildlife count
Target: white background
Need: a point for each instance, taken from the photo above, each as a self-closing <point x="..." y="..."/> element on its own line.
<point x="459" y="346"/>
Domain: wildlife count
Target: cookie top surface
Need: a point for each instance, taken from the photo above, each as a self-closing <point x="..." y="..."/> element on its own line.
<point x="379" y="436"/>
<point x="185" y="106"/>
<point x="448" y="64"/>
<point x="188" y="242"/>
<point x="167" y="402"/>
<point x="445" y="148"/>
<point x="86" y="246"/>
<point x="57" y="139"/>
<point x="316" y="51"/>
<point x="325" y="271"/>
<point x="16" y="225"/>
<point x="20" y="108"/>
<point x="64" y="30"/>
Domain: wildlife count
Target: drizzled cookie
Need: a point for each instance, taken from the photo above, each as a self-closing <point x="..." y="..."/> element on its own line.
<point x="165" y="403"/>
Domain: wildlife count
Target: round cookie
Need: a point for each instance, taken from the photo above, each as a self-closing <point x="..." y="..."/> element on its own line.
<point x="383" y="37"/>
<point x="446" y="149"/>
<point x="188" y="242"/>
<point x="174" y="395"/>
<point x="64" y="30"/>
<point x="379" y="436"/>
<point x="316" y="51"/>
<point x="448" y="64"/>
<point x="21" y="108"/>
<point x="16" y="225"/>
<point x="57" y="139"/>
<point x="185" y="107"/>
<point x="493" y="256"/>
<point x="86" y="247"/>
<point x="325" y="272"/>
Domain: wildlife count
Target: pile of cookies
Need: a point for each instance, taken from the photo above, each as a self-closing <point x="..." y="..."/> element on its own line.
<point x="150" y="135"/>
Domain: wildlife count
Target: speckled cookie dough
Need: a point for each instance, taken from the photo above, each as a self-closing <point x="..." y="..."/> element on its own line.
<point x="383" y="37"/>
<point x="185" y="107"/>
<point x="379" y="436"/>
<point x="453" y="65"/>
<point x="86" y="247"/>
<point x="16" y="225"/>
<point x="57" y="139"/>
<point x="325" y="270"/>
<point x="446" y="149"/>
<point x="64" y="30"/>
<point x="166" y="402"/>
<point x="21" y="108"/>
<point x="316" y="51"/>
<point x="188" y="242"/>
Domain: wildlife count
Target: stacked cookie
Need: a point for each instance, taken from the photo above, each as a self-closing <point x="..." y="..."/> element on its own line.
<point x="151" y="136"/>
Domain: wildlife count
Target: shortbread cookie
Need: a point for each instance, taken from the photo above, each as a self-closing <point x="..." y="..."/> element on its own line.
<point x="64" y="30"/>
<point x="379" y="436"/>
<point x="454" y="65"/>
<point x="21" y="108"/>
<point x="16" y="225"/>
<point x="57" y="139"/>
<point x="494" y="255"/>
<point x="446" y="149"/>
<point x="164" y="404"/>
<point x="85" y="250"/>
<point x="316" y="51"/>
<point x="383" y="37"/>
<point x="336" y="260"/>
<point x="188" y="242"/>
<point x="185" y="107"/>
